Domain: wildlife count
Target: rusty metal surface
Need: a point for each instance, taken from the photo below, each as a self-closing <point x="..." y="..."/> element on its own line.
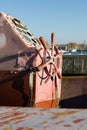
<point x="19" y="118"/>
<point x="29" y="69"/>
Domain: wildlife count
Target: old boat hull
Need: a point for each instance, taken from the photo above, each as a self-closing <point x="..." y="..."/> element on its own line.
<point x="30" y="75"/>
<point x="15" y="91"/>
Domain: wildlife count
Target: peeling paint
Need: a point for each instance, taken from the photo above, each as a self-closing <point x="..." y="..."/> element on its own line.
<point x="2" y="40"/>
<point x="24" y="118"/>
<point x="1" y="22"/>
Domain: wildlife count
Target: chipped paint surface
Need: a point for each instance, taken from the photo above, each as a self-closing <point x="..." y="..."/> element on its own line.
<point x="2" y="40"/>
<point x="19" y="118"/>
<point x="1" y="20"/>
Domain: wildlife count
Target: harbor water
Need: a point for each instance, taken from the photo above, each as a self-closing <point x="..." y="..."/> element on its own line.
<point x="78" y="52"/>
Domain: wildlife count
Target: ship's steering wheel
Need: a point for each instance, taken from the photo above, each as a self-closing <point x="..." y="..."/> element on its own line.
<point x="50" y="61"/>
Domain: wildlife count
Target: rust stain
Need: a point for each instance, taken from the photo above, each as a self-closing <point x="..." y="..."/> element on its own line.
<point x="43" y="109"/>
<point x="6" y="118"/>
<point x="59" y="122"/>
<point x="32" y="119"/>
<point x="67" y="125"/>
<point x="78" y="120"/>
<point x="44" y="122"/>
<point x="57" y="115"/>
<point x="22" y="128"/>
<point x="45" y="127"/>
<point x="9" y="128"/>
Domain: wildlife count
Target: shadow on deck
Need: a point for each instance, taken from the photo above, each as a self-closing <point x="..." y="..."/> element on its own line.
<point x="74" y="102"/>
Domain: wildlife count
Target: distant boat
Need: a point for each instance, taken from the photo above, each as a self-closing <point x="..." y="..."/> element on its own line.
<point x="73" y="50"/>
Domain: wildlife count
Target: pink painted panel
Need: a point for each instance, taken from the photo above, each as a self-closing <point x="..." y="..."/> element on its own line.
<point x="19" y="53"/>
<point x="46" y="90"/>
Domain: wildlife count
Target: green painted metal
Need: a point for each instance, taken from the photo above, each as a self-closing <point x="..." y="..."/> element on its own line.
<point x="74" y="65"/>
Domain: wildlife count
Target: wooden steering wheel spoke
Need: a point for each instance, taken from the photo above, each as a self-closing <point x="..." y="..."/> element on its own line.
<point x="50" y="60"/>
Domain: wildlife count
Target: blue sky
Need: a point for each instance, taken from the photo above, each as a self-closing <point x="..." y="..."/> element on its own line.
<point x="66" y="18"/>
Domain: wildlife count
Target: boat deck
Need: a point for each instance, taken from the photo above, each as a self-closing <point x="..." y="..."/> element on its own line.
<point x="24" y="118"/>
